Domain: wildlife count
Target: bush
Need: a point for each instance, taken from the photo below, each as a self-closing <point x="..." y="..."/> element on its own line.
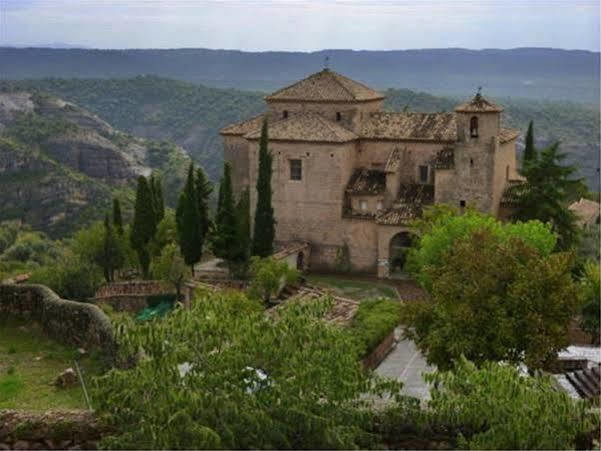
<point x="375" y="319"/>
<point x="269" y="276"/>
<point x="156" y="299"/>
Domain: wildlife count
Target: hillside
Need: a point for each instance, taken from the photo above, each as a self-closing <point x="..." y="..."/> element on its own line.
<point x="540" y="73"/>
<point x="60" y="165"/>
<point x="192" y="115"/>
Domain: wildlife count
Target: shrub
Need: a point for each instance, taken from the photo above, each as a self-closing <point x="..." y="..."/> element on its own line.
<point x="269" y="276"/>
<point x="156" y="299"/>
<point x="374" y="320"/>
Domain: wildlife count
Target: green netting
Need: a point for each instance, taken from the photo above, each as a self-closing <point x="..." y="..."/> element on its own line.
<point x="157" y="311"/>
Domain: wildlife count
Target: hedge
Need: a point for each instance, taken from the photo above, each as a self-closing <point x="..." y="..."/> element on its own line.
<point x="375" y="319"/>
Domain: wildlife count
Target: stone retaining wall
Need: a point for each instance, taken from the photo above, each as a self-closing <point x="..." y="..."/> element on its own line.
<point x="124" y="303"/>
<point x="134" y="287"/>
<point x="68" y="322"/>
<point x="380" y="352"/>
<point x="54" y="429"/>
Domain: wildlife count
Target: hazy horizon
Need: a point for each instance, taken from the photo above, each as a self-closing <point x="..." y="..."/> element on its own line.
<point x="301" y="25"/>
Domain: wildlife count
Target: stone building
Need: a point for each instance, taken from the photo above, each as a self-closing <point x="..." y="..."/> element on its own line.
<point x="348" y="176"/>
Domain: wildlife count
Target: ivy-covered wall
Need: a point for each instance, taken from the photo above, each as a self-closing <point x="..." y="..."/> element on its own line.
<point x="68" y="322"/>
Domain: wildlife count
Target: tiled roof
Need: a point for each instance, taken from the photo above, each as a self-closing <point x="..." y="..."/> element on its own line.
<point x="393" y="161"/>
<point x="410" y="126"/>
<point x="305" y="127"/>
<point x="586" y="382"/>
<point x="586" y="210"/>
<point x="367" y="181"/>
<point x="508" y="134"/>
<point x="326" y="85"/>
<point x="478" y="105"/>
<point x="244" y="127"/>
<point x="412" y="198"/>
<point x="445" y="158"/>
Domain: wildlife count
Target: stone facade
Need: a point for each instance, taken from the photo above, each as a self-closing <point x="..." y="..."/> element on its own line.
<point x="349" y="177"/>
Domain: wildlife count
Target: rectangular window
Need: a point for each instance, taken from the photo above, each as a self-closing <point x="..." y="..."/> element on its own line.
<point x="296" y="170"/>
<point x="380" y="205"/>
<point x="363" y="205"/>
<point x="423" y="174"/>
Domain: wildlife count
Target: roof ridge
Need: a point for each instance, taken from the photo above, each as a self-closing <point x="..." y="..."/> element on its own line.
<point x="337" y="77"/>
<point x="329" y="124"/>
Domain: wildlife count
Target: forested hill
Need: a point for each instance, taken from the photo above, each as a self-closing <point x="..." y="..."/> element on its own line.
<point x="525" y="72"/>
<point x="192" y="115"/>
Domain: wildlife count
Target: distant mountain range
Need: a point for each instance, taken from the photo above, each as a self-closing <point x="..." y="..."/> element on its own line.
<point x="541" y="73"/>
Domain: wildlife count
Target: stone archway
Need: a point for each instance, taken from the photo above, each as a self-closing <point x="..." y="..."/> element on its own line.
<point x="397" y="253"/>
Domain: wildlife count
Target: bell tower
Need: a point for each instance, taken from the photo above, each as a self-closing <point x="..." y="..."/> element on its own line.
<point x="478" y="121"/>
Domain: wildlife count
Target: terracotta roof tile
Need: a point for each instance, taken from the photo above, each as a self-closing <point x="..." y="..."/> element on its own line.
<point x="478" y="105"/>
<point x="305" y="127"/>
<point x="412" y="197"/>
<point x="324" y="86"/>
<point x="244" y="127"/>
<point x="367" y="182"/>
<point x="393" y="161"/>
<point x="508" y="134"/>
<point x="410" y="126"/>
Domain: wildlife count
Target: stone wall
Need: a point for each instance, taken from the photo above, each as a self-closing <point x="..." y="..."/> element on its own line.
<point x="54" y="429"/>
<point x="134" y="287"/>
<point x="382" y="350"/>
<point x="68" y="322"/>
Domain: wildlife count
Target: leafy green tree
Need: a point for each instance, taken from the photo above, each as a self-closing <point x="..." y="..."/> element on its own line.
<point x="171" y="267"/>
<point x="496" y="407"/>
<point x="545" y="194"/>
<point x="189" y="226"/>
<point x="441" y="227"/>
<point x="590" y="291"/>
<point x="269" y="276"/>
<point x="117" y="219"/>
<point x="225" y="242"/>
<point x="529" y="151"/>
<point x="165" y="234"/>
<point x="222" y="374"/>
<point x="494" y="299"/>
<point x="144" y="225"/>
<point x="264" y="227"/>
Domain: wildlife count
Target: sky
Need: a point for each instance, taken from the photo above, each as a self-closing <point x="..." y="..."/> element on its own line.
<point x="302" y="25"/>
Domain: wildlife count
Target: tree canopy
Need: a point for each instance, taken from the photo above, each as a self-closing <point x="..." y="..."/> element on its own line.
<point x="264" y="226"/>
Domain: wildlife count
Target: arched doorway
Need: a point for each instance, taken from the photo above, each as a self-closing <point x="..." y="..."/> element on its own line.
<point x="399" y="245"/>
<point x="300" y="261"/>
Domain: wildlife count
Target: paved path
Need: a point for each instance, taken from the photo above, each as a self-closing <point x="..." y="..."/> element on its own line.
<point x="406" y="364"/>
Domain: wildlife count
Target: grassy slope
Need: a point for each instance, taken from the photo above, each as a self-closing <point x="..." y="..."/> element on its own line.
<point x="352" y="288"/>
<point x="27" y="383"/>
<point x="192" y="114"/>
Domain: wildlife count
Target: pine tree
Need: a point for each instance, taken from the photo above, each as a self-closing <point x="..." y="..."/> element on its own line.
<point x="225" y="243"/>
<point x="144" y="225"/>
<point x="546" y="192"/>
<point x="204" y="188"/>
<point x="529" y="151"/>
<point x="188" y="221"/>
<point x="264" y="227"/>
<point x="117" y="219"/>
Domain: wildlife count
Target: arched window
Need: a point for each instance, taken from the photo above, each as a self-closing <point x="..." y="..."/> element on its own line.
<point x="285" y="114"/>
<point x="338" y="116"/>
<point x="474" y="127"/>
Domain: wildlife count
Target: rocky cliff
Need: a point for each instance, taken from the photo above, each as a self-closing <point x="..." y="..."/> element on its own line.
<point x="60" y="165"/>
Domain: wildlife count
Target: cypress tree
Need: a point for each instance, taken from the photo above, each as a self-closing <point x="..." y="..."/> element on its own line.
<point x="243" y="219"/>
<point x="264" y="227"/>
<point x="111" y="255"/>
<point x="156" y="186"/>
<point x="204" y="188"/>
<point x="144" y="225"/>
<point x="117" y="220"/>
<point x="529" y="151"/>
<point x="188" y="222"/>
<point x="225" y="243"/>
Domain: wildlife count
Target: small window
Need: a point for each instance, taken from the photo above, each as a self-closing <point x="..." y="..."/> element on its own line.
<point x="296" y="170"/>
<point x="380" y="205"/>
<point x="285" y="114"/>
<point x="423" y="174"/>
<point x="338" y="116"/>
<point x="474" y="127"/>
<point x="363" y="205"/>
<point x="462" y="203"/>
<point x="471" y="162"/>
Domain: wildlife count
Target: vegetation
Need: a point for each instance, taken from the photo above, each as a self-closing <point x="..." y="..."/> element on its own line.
<point x="495" y="299"/>
<point x="375" y="320"/>
<point x="496" y="407"/>
<point x="545" y="194"/>
<point x="189" y="222"/>
<point x="171" y="267"/>
<point x="356" y="289"/>
<point x="529" y="150"/>
<point x="263" y="390"/>
<point x="590" y="287"/>
<point x="144" y="225"/>
<point x="269" y="276"/>
<point x="29" y="364"/>
<point x="264" y="229"/>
